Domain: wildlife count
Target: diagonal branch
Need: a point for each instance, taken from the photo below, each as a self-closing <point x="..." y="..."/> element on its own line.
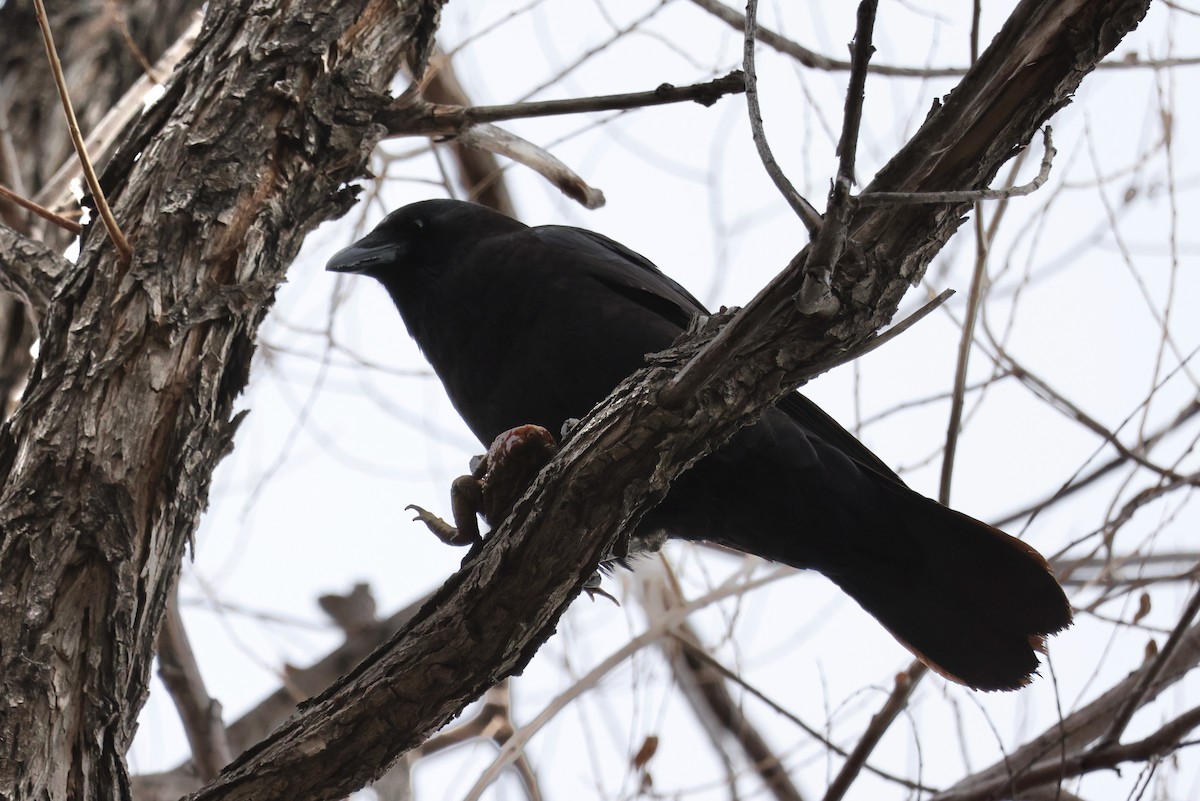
<point x="1070" y="738"/>
<point x="489" y="619"/>
<point x="413" y="116"/>
<point x="30" y="269"/>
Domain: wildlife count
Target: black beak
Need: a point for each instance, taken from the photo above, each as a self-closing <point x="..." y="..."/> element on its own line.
<point x="365" y="256"/>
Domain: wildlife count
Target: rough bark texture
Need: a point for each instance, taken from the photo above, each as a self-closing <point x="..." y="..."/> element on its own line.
<point x="106" y="464"/>
<point x="99" y="64"/>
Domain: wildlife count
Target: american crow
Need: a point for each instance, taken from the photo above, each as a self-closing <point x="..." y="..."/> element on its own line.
<point x="537" y="325"/>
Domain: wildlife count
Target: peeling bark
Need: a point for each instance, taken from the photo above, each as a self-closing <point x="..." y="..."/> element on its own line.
<point x="106" y="464"/>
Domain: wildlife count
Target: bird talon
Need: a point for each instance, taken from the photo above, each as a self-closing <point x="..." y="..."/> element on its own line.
<point x="594" y="591"/>
<point x="439" y="527"/>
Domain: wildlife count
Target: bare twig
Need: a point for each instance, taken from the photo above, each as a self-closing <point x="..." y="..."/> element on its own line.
<point x="496" y="140"/>
<point x="968" y="195"/>
<point x="819" y="61"/>
<point x="815" y="297"/>
<point x="1072" y="734"/>
<point x="983" y="239"/>
<point x="1166" y="740"/>
<point x="56" y="191"/>
<point x="906" y="682"/>
<point x="804" y="210"/>
<point x="807" y="729"/>
<point x="861" y="49"/>
<point x="1137" y="696"/>
<point x="703" y="684"/>
<point x="811" y="58"/>
<point x="830" y="241"/>
<point x="89" y="172"/>
<point x="493" y="722"/>
<point x="117" y="18"/>
<point x="957" y="399"/>
<point x="1073" y="485"/>
<point x="655" y="631"/>
<point x="412" y="116"/>
<point x="41" y="211"/>
<point x="874" y="342"/>
<point x="479" y="172"/>
<point x="1043" y="390"/>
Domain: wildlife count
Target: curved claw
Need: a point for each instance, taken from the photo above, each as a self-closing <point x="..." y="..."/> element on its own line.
<point x="592" y="588"/>
<point x="594" y="591"/>
<point x="440" y="528"/>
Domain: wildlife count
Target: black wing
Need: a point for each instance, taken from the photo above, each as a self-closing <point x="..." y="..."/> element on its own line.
<point x="625" y="271"/>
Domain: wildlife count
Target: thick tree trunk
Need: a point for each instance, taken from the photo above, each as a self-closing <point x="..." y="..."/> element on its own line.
<point x="106" y="464"/>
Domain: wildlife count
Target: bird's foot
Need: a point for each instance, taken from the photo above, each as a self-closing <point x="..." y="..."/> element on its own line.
<point x="441" y="529"/>
<point x="592" y="588"/>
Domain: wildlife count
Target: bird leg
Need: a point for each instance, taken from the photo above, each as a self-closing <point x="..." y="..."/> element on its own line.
<point x="466" y="501"/>
<point x="592" y="588"/>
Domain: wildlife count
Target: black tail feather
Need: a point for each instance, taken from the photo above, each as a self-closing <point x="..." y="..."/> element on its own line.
<point x="973" y="603"/>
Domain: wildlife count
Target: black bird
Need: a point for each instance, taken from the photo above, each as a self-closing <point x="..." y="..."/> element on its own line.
<point x="537" y="325"/>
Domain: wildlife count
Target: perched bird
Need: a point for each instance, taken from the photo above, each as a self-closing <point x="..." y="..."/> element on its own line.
<point x="537" y="325"/>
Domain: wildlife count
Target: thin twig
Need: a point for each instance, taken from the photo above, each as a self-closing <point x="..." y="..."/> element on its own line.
<point x="410" y="115"/>
<point x="493" y="722"/>
<point x="968" y="195"/>
<point x="1138" y="695"/>
<point x="811" y="58"/>
<point x="1057" y="401"/>
<point x="41" y="211"/>
<point x="701" y="683"/>
<point x="1075" y="483"/>
<point x="819" y="61"/>
<point x="830" y="241"/>
<point x="501" y="142"/>
<point x="878" y="340"/>
<point x="906" y="682"/>
<point x="804" y="210"/>
<point x="809" y="730"/>
<point x="814" y="297"/>
<point x="1052" y="772"/>
<point x="118" y="20"/>
<point x="957" y="399"/>
<point x="101" y="139"/>
<point x="655" y="631"/>
<point x="861" y="50"/>
<point x="89" y="172"/>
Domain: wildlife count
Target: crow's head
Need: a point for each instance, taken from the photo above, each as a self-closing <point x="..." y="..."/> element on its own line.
<point x="419" y="239"/>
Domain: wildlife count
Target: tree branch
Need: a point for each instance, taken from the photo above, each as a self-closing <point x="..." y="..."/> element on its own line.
<point x="199" y="713"/>
<point x="1069" y="738"/>
<point x="30" y="269"/>
<point x="413" y="116"/>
